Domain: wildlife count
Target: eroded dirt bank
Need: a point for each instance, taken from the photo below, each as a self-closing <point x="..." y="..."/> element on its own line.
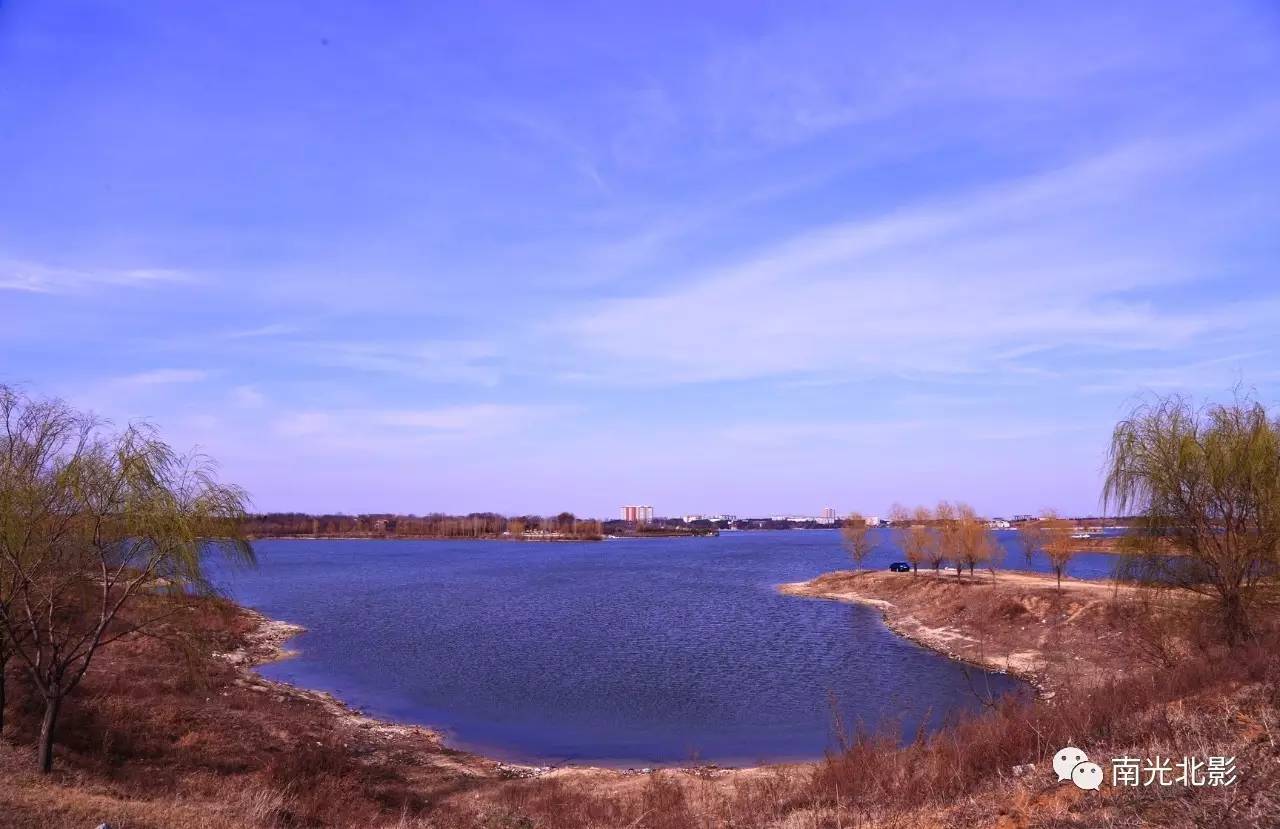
<point x="1014" y="622"/>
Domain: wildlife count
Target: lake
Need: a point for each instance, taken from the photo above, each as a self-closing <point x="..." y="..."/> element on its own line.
<point x="623" y="652"/>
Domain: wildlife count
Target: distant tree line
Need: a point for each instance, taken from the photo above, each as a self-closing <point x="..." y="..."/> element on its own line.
<point x="660" y="527"/>
<point x="434" y="525"/>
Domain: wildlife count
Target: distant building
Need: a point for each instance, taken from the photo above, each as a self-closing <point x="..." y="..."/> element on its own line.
<point x="689" y="519"/>
<point x="873" y="521"/>
<point x="828" y="515"/>
<point x="637" y="514"/>
<point x="999" y="524"/>
<point x="729" y="518"/>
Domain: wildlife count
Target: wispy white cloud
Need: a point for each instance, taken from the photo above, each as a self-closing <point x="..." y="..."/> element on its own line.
<point x="161" y="377"/>
<point x="796" y="82"/>
<point x="795" y="432"/>
<point x="399" y="430"/>
<point x="466" y="361"/>
<point x="248" y="397"/>
<point x="1066" y="258"/>
<point x="841" y="434"/>
<point x="274" y="329"/>
<point x="1197" y="376"/>
<point x="37" y="278"/>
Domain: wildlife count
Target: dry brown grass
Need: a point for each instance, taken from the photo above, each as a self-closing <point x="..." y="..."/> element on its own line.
<point x="1198" y="707"/>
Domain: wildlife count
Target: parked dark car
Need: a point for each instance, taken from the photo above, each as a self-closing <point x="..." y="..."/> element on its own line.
<point x="900" y="567"/>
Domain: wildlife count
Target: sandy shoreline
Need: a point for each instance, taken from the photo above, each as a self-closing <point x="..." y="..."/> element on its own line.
<point x="1021" y="624"/>
<point x="267" y="642"/>
<point x="940" y="640"/>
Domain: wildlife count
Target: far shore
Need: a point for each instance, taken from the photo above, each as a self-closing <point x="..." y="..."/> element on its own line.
<point x="419" y="538"/>
<point x="522" y="540"/>
<point x="1111" y="545"/>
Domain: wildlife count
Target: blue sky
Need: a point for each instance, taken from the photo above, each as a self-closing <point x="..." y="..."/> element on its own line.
<point x="713" y="257"/>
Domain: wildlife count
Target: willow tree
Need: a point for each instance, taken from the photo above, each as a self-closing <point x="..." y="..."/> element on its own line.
<point x="102" y="535"/>
<point x="1204" y="483"/>
<point x="30" y="501"/>
<point x="856" y="535"/>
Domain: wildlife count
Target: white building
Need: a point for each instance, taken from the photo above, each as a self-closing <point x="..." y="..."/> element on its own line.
<point x="828" y="515"/>
<point x="637" y="513"/>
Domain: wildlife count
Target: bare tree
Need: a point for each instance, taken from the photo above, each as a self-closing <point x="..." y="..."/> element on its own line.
<point x="1031" y="538"/>
<point x="6" y="649"/>
<point x="914" y="535"/>
<point x="946" y="537"/>
<point x="1207" y="482"/>
<point x="856" y="535"/>
<point x="101" y="535"/>
<point x="934" y="555"/>
<point x="1058" y="544"/>
<point x="975" y="543"/>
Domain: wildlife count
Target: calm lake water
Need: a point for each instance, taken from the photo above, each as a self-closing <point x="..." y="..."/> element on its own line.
<point x="623" y="652"/>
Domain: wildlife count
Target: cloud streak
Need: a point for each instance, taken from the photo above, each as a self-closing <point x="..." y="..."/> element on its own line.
<point x="396" y="431"/>
<point x="467" y="362"/>
<point x="161" y="377"/>
<point x="1074" y="258"/>
<point x="36" y="278"/>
